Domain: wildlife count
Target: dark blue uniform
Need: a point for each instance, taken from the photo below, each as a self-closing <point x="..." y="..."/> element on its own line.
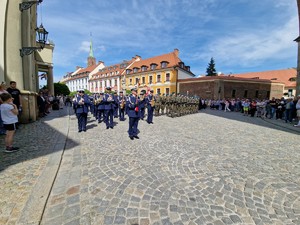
<point x="150" y="108"/>
<point x="116" y="106"/>
<point x="100" y="109"/>
<point x="81" y="106"/>
<point x="134" y="114"/>
<point x="109" y="110"/>
<point x="142" y="105"/>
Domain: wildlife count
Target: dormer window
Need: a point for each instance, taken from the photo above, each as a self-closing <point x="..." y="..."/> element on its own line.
<point x="144" y="68"/>
<point x="136" y="69"/>
<point x="128" y="71"/>
<point x="163" y="64"/>
<point x="293" y="79"/>
<point x="188" y="68"/>
<point x="181" y="65"/>
<point x="153" y="66"/>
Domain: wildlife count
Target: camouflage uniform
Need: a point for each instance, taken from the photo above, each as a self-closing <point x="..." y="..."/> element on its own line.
<point x="157" y="105"/>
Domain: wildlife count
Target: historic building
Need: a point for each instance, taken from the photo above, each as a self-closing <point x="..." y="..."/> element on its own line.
<point x="286" y="76"/>
<point x="220" y="87"/>
<point x="21" y="57"/>
<point x="159" y="73"/>
<point x="112" y="76"/>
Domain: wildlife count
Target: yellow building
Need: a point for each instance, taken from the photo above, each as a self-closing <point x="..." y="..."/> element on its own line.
<point x="159" y="73"/>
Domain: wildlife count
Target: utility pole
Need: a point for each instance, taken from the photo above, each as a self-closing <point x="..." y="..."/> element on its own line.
<point x="298" y="60"/>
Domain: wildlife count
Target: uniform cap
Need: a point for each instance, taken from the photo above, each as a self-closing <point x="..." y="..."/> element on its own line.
<point x="133" y="89"/>
<point x="108" y="88"/>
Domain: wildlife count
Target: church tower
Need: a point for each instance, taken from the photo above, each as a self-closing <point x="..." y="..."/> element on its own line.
<point x="91" y="59"/>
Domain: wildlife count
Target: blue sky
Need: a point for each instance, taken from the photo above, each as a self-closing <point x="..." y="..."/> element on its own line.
<point x="241" y="35"/>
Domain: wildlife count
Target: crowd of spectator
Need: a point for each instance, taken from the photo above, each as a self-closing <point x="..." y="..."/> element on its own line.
<point x="287" y="110"/>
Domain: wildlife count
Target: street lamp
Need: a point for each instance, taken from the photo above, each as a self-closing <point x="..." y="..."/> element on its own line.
<point x="42" y="36"/>
<point x="27" y="5"/>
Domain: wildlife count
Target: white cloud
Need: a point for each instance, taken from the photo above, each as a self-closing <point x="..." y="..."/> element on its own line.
<point x="85" y="46"/>
<point x="253" y="47"/>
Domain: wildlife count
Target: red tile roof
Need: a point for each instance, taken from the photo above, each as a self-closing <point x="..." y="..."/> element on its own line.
<point x="116" y="69"/>
<point x="207" y="78"/>
<point x="171" y="58"/>
<point x="283" y="76"/>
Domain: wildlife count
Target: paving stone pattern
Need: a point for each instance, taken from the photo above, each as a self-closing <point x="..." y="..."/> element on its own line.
<point x="208" y="168"/>
<point x="196" y="169"/>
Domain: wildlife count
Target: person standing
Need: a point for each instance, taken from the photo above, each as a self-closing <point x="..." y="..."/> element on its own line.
<point x="100" y="108"/>
<point x="150" y="107"/>
<point x="9" y="114"/>
<point x="142" y="105"/>
<point x="134" y="113"/>
<point x="41" y="102"/>
<point x="109" y="108"/>
<point x="121" y="103"/>
<point x="81" y="105"/>
<point x="16" y="95"/>
<point x="298" y="111"/>
<point x="2" y="90"/>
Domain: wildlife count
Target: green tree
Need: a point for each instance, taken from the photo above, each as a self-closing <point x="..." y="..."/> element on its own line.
<point x="61" y="89"/>
<point x="211" y="70"/>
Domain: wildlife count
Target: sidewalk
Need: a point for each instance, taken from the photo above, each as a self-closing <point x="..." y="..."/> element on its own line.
<point x="26" y="176"/>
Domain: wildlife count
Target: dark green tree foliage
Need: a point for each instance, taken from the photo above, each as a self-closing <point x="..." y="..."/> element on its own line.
<point x="61" y="88"/>
<point x="211" y="70"/>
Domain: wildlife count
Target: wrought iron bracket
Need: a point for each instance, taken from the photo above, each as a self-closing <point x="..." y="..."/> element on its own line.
<point x="28" y="50"/>
<point x="27" y="5"/>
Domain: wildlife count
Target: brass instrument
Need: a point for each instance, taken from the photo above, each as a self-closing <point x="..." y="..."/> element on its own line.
<point x="152" y="102"/>
<point x="99" y="100"/>
<point x="122" y="105"/>
<point x="110" y="98"/>
<point x="81" y="101"/>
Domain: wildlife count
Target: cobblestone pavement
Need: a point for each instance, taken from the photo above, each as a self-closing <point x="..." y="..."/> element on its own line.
<point x="207" y="168"/>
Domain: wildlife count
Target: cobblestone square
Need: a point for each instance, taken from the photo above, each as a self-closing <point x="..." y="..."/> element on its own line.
<point x="206" y="168"/>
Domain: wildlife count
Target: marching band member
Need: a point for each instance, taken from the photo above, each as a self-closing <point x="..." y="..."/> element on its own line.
<point x="143" y="105"/>
<point x="81" y="103"/>
<point x="122" y="103"/>
<point x="100" y="108"/>
<point x="150" y="107"/>
<point x="116" y="105"/>
<point x="134" y="113"/>
<point x="109" y="108"/>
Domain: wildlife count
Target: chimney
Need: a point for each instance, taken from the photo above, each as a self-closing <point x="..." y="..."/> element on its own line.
<point x="176" y="51"/>
<point x="100" y="62"/>
<point x="78" y="67"/>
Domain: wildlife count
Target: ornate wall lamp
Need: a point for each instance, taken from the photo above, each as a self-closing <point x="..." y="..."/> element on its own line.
<point x="41" y="32"/>
<point x="27" y="5"/>
<point x="42" y="36"/>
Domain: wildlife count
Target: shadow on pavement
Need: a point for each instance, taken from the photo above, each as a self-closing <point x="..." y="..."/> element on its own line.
<point x="269" y="123"/>
<point x="43" y="137"/>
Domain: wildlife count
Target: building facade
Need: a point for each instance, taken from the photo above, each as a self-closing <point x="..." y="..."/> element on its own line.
<point x="18" y="31"/>
<point x="220" y="87"/>
<point x="286" y="76"/>
<point x="110" y="76"/>
<point x="159" y="73"/>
